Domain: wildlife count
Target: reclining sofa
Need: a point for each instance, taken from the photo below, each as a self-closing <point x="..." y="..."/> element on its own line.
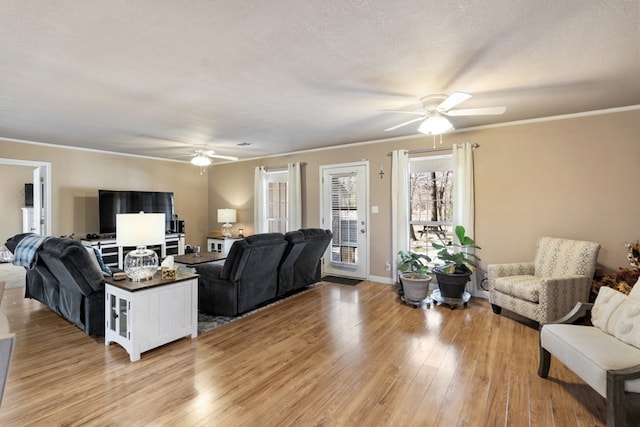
<point x="68" y="280"/>
<point x="260" y="269"/>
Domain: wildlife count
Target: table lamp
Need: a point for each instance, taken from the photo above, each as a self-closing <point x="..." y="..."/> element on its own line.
<point x="226" y="216"/>
<point x="140" y="230"/>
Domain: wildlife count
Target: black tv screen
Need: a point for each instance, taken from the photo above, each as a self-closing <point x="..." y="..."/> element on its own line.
<point x="113" y="202"/>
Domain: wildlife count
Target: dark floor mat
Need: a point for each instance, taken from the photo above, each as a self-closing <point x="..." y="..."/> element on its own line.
<point x="341" y="280"/>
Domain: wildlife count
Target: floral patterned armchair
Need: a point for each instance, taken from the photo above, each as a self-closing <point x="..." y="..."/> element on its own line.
<point x="549" y="287"/>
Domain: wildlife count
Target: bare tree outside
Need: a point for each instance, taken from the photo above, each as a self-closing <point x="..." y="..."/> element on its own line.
<point x="431" y="209"/>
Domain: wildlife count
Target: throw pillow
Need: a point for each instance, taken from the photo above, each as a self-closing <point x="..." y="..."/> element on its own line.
<point x="617" y="314"/>
<point x="606" y="303"/>
<point x="635" y="290"/>
<point x="97" y="262"/>
<point x="104" y="267"/>
<point x="627" y="328"/>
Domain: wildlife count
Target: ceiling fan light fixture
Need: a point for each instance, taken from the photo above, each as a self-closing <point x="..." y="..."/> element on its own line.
<point x="201" y="160"/>
<point x="435" y="124"/>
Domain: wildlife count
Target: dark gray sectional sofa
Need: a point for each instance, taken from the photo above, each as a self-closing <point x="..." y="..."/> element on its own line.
<point x="260" y="269"/>
<point x="66" y="279"/>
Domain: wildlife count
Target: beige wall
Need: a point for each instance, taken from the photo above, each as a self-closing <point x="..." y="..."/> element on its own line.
<point x="76" y="177"/>
<point x="572" y="178"/>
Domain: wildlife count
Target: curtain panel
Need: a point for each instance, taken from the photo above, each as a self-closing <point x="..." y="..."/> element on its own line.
<point x="294" y="197"/>
<point x="399" y="206"/>
<point x="259" y="201"/>
<point x="463" y="194"/>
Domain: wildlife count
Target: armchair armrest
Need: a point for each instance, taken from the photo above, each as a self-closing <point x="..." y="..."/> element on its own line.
<point x="513" y="269"/>
<point x="572" y="288"/>
<point x="577" y="312"/>
<point x="618" y="400"/>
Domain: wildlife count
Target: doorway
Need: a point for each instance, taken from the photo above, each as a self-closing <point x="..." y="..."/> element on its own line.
<point x="344" y="198"/>
<point x="41" y="192"/>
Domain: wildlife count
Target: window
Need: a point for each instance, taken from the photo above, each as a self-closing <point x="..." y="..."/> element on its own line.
<point x="277" y="199"/>
<point x="277" y="221"/>
<point x="431" y="202"/>
<point x="344" y="218"/>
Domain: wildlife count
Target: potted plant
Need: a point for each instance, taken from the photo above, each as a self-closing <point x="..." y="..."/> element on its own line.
<point x="414" y="276"/>
<point x="459" y="264"/>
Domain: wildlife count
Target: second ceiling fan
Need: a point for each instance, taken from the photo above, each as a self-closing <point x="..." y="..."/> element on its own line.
<point x="436" y="107"/>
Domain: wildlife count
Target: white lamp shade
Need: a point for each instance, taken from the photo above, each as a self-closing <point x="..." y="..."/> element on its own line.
<point x="140" y="229"/>
<point x="226" y="215"/>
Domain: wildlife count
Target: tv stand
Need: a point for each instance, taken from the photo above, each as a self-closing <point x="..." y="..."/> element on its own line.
<point x="113" y="255"/>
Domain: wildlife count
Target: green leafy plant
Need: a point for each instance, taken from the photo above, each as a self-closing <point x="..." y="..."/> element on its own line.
<point x="456" y="257"/>
<point x="415" y="264"/>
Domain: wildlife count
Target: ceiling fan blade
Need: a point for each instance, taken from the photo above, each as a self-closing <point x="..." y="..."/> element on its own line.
<point x="476" y="111"/>
<point x="419" y="113"/>
<point x="452" y="100"/>
<point x="424" y="116"/>
<point x="219" y="156"/>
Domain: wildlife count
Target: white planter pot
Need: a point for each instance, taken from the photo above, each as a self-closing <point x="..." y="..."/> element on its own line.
<point x="415" y="289"/>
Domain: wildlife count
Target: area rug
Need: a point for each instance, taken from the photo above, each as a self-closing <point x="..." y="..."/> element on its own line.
<point x="341" y="280"/>
<point x="12" y="275"/>
<point x="207" y="322"/>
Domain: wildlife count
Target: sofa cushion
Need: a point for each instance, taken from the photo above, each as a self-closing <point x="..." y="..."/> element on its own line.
<point x="590" y="353"/>
<point x="524" y="287"/>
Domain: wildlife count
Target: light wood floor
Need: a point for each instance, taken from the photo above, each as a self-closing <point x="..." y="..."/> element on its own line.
<point x="335" y="355"/>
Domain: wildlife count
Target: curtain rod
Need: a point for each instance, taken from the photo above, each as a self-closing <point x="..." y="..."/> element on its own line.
<point x="273" y="168"/>
<point x="433" y="150"/>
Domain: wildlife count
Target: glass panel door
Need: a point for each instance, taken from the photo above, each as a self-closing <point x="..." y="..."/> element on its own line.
<point x="344" y="203"/>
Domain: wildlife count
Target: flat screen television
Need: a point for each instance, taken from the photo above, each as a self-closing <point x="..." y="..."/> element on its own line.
<point x="113" y="202"/>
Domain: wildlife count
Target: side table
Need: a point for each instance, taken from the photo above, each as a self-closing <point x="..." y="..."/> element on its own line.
<point x="141" y="316"/>
<point x="188" y="262"/>
<point x="221" y="244"/>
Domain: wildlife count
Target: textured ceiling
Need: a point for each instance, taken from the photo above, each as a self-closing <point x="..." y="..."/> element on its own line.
<point x="156" y="78"/>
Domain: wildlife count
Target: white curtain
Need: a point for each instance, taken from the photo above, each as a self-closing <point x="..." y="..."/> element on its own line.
<point x="259" y="201"/>
<point x="463" y="192"/>
<point x="399" y="206"/>
<point x="294" y="197"/>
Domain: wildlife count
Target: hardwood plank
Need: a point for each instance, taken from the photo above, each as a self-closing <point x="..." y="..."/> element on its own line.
<point x="335" y="355"/>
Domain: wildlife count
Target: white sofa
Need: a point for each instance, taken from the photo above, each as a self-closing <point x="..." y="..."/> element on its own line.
<point x="606" y="355"/>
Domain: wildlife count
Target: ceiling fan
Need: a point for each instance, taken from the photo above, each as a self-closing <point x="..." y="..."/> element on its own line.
<point x="436" y="107"/>
<point x="202" y="156"/>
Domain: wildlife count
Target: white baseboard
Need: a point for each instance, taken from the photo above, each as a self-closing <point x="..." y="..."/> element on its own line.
<point x="382" y="279"/>
<point x="479" y="293"/>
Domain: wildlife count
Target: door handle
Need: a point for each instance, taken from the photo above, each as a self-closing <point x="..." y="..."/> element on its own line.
<point x="362" y="230"/>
